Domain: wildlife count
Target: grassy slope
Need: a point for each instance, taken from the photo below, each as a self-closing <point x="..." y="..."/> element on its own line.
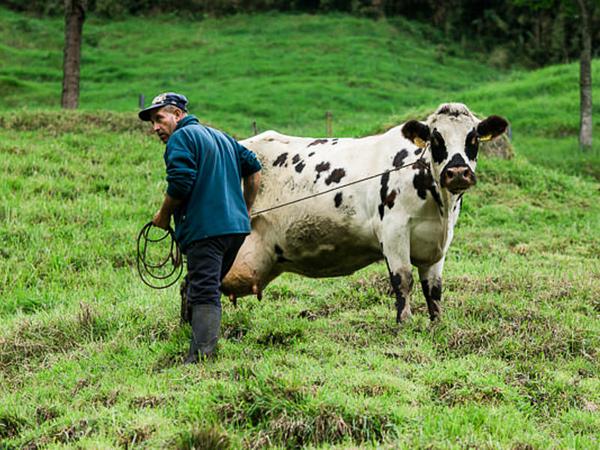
<point x="88" y="356"/>
<point x="282" y="71"/>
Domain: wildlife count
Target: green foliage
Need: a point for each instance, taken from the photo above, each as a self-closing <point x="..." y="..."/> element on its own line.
<point x="91" y="358"/>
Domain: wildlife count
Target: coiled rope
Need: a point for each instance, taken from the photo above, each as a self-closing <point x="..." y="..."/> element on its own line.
<point x="150" y="273"/>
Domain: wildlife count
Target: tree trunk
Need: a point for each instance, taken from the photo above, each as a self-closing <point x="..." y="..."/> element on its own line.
<point x="585" y="80"/>
<point x="74" y="17"/>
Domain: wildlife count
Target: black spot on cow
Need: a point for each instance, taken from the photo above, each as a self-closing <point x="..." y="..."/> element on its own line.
<point x="389" y="200"/>
<point x="296" y="158"/>
<point x="300" y="166"/>
<point x="451" y="111"/>
<point x="383" y="193"/>
<point x="423" y="183"/>
<point x="418" y="151"/>
<point x="456" y="161"/>
<point x="438" y="147"/>
<point x="321" y="167"/>
<point x="310" y="154"/>
<point x="335" y="141"/>
<point x="472" y="145"/>
<point x="279" y="253"/>
<point x="280" y="161"/>
<point x="399" y="158"/>
<point x="335" y="176"/>
<point x="433" y="296"/>
<point x="317" y="142"/>
<point x="396" y="281"/>
<point x="338" y="199"/>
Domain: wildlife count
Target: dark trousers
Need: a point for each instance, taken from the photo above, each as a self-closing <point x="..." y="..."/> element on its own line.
<point x="208" y="261"/>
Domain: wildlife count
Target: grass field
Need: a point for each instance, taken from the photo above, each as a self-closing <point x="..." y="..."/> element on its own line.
<point x="90" y="358"/>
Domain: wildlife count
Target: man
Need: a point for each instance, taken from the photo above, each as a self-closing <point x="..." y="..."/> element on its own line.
<point x="205" y="169"/>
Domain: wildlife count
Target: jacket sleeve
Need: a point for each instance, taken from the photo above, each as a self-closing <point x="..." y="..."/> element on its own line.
<point x="181" y="166"/>
<point x="248" y="160"/>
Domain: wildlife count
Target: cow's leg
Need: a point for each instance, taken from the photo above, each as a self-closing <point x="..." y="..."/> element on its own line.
<point x="431" y="282"/>
<point x="400" y="270"/>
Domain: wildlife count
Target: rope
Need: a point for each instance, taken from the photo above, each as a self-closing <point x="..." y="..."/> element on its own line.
<point x="342" y="186"/>
<point x="147" y="271"/>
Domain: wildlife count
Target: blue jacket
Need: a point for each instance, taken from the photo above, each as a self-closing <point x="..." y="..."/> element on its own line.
<point x="205" y="169"/>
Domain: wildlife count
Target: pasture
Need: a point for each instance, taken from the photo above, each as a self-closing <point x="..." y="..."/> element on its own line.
<point x="90" y="357"/>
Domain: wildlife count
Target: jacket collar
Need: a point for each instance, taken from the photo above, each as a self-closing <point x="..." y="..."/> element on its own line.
<point x="190" y="119"/>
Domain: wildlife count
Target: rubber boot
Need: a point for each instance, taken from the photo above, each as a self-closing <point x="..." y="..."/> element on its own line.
<point x="206" y="323"/>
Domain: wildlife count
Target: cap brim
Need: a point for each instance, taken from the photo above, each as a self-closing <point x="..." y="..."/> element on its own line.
<point x="144" y="114"/>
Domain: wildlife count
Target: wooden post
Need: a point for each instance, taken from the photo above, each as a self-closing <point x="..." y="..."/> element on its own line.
<point x="329" y="120"/>
<point x="74" y="18"/>
<point x="254" y="129"/>
<point x="142" y="101"/>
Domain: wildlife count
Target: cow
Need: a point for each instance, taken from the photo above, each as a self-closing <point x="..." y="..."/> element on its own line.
<point x="405" y="216"/>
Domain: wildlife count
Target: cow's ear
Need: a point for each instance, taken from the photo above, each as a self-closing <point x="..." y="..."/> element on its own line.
<point x="491" y="127"/>
<point x="418" y="133"/>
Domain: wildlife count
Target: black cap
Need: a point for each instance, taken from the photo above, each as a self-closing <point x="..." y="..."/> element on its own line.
<point x="168" y="98"/>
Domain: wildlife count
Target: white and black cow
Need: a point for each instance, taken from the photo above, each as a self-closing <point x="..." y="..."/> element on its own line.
<point x="406" y="217"/>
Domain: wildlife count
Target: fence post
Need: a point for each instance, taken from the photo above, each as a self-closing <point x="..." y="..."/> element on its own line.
<point x="142" y="101"/>
<point x="329" y="120"/>
<point x="254" y="129"/>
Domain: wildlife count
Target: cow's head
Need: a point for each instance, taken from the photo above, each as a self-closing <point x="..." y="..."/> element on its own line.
<point x="453" y="135"/>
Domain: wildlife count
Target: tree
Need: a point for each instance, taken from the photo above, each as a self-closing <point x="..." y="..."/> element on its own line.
<point x="585" y="79"/>
<point x="586" y="8"/>
<point x="74" y="17"/>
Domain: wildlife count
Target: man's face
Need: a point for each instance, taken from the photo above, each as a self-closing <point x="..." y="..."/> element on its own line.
<point x="165" y="122"/>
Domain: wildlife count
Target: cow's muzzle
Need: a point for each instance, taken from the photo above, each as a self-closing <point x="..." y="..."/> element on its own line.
<point x="458" y="179"/>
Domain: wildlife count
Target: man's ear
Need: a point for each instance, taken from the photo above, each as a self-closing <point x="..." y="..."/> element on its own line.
<point x="491" y="127"/>
<point x="416" y="132"/>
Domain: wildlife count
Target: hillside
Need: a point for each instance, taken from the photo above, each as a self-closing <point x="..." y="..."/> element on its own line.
<point x="285" y="72"/>
<point x="242" y="68"/>
<point x="90" y="357"/>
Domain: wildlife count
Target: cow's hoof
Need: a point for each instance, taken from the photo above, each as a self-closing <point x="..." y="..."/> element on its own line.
<point x="404" y="315"/>
<point x="256" y="291"/>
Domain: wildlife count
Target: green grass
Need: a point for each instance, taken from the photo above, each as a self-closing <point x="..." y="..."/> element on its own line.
<point x="90" y="358"/>
<point x="283" y="71"/>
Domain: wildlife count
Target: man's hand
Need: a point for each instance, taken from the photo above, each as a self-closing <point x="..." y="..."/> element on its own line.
<point x="161" y="220"/>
